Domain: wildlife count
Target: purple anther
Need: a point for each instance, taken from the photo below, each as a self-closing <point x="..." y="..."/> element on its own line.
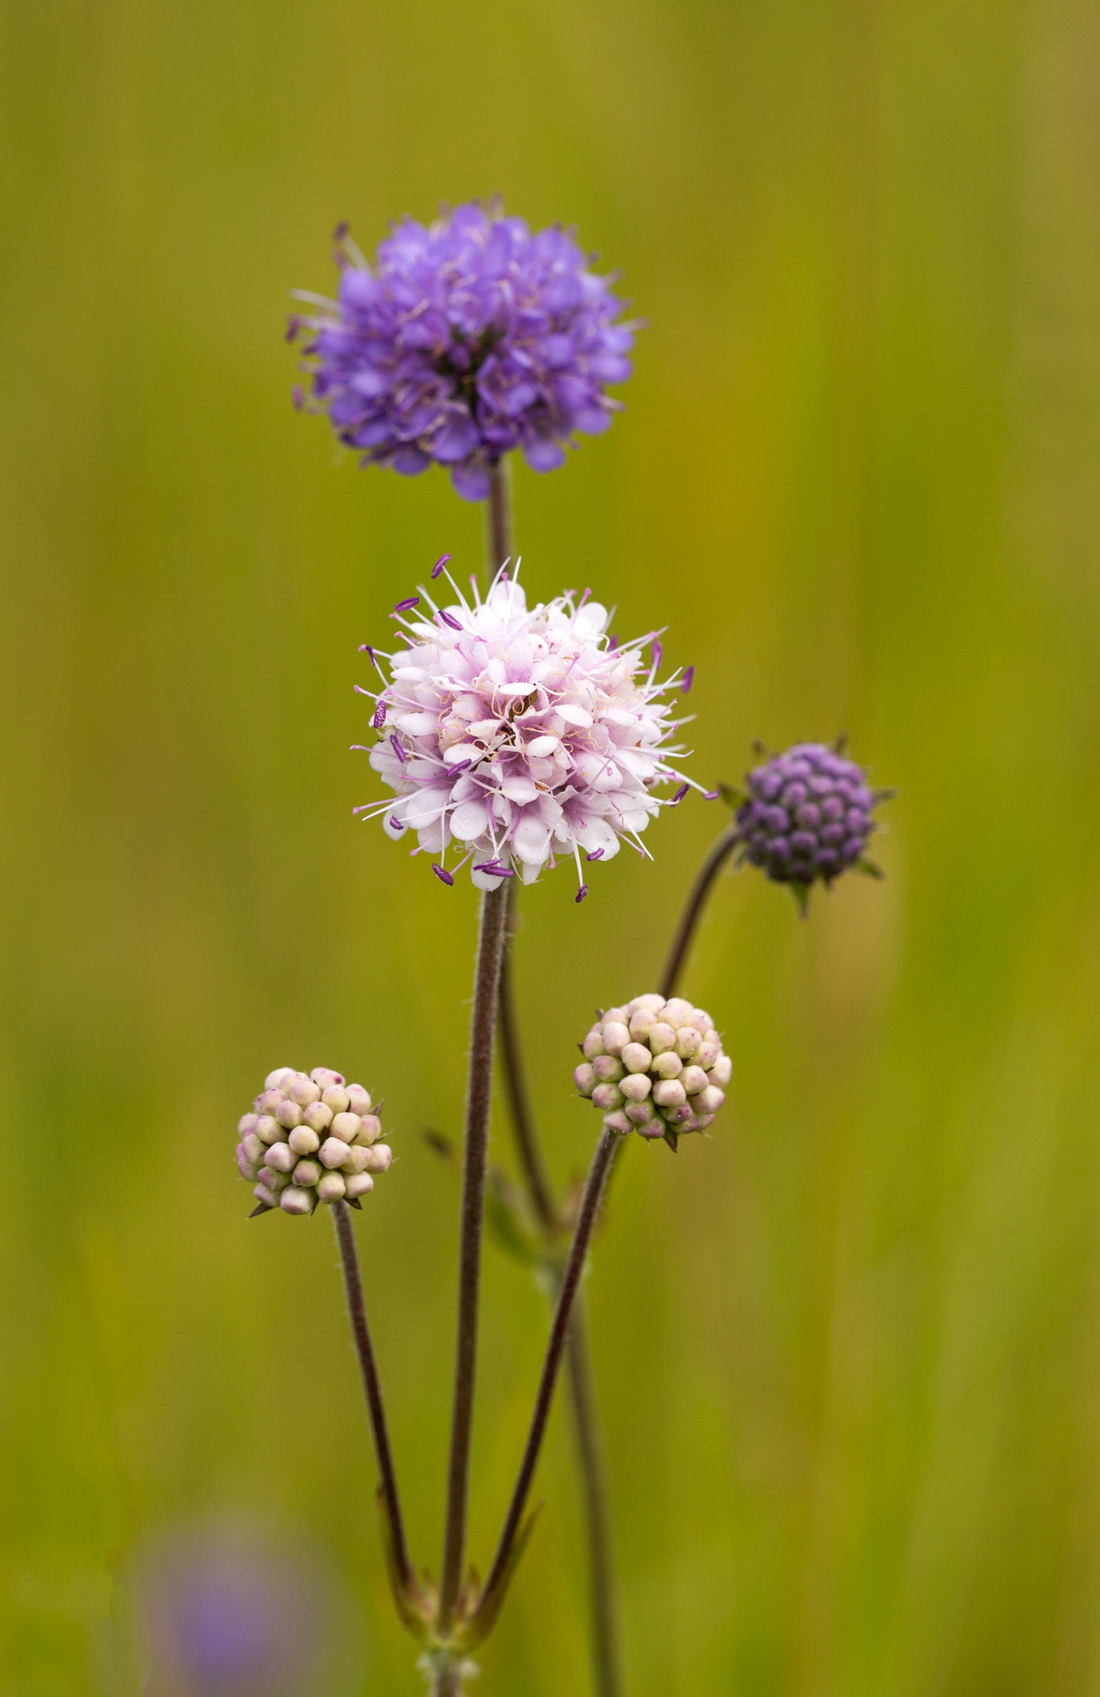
<point x="494" y="869"/>
<point x="710" y="795"/>
<point x="365" y="648"/>
<point x="442" y="874"/>
<point x="658" y="654"/>
<point x="597" y="854"/>
<point x="379" y="716"/>
<point x="397" y="749"/>
<point x="680" y="793"/>
<point x="439" y="564"/>
<point x="449" y="619"/>
<point x="297" y="398"/>
<point x="581" y="893"/>
<point x="341" y="231"/>
<point x="395" y="822"/>
<point x="293" y="325"/>
<point x="612" y="641"/>
<point x="687" y="680"/>
<point x="408" y="604"/>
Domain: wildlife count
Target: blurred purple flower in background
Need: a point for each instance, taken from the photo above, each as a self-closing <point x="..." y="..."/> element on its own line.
<point x="468" y="337"/>
<point x="230" y="1616"/>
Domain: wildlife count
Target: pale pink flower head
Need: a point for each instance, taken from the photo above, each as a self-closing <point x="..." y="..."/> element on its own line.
<point x="515" y="735"/>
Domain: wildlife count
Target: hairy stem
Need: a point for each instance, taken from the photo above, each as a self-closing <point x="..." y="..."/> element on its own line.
<point x="494" y="908"/>
<point x="719" y="852"/>
<point x="555" y="1349"/>
<point x="515" y="1084"/>
<point x="353" y="1284"/>
<point x="586" y="1431"/>
<point x="499" y="542"/>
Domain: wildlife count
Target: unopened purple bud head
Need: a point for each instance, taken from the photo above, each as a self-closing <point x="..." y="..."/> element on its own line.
<point x="807" y="817"/>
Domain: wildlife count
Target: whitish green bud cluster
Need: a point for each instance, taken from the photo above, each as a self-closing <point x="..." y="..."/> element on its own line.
<point x="310" y="1138"/>
<point x="654" y="1066"/>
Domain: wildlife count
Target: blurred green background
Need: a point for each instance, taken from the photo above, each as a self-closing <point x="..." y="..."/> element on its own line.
<point x="849" y="1351"/>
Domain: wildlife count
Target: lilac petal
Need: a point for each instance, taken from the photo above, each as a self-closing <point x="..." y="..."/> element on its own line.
<point x="470" y="481"/>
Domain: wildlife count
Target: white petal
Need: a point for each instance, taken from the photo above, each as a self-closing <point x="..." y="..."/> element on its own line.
<point x="531" y="841"/>
<point x="469" y="821"/>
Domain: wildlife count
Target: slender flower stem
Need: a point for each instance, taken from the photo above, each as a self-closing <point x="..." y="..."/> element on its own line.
<point x="499" y="542"/>
<point x="353" y="1284"/>
<point x="555" y="1349"/>
<point x="519" y="1100"/>
<point x="586" y="1431"/>
<point x="494" y="910"/>
<point x="719" y="852"/>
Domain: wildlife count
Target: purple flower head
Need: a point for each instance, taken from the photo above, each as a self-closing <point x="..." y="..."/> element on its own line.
<point x="513" y="735"/>
<point x="807" y="816"/>
<point x="467" y="338"/>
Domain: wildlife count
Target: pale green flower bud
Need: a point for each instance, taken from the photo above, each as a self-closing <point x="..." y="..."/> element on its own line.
<point x="608" y="1069"/>
<point x="370" y="1129"/>
<point x="306" y="1173"/>
<point x="345" y="1126"/>
<point x="358" y="1099"/>
<point x="303" y="1091"/>
<point x="592" y="1045"/>
<point x="607" y="1096"/>
<point x="288" y="1114"/>
<point x="333" y="1153"/>
<point x="303" y="1141"/>
<point x="379" y="1158"/>
<point x="693" y="1080"/>
<point x="318" y="1116"/>
<point x="336" y="1098"/>
<point x="268" y="1128"/>
<point x="281" y="1157"/>
<point x="357" y="1184"/>
<point x="294" y="1200"/>
<point x="636" y="1087"/>
<point x="331" y="1187"/>
<point x="616" y="1035"/>
<point x="721" y="1072"/>
<point x="584" y="1077"/>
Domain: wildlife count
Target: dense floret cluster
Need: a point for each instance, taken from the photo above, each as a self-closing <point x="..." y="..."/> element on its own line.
<point x="310" y="1138"/>
<point x="467" y="338"/>
<point x="656" y="1067"/>
<point x="808" y="815"/>
<point x="520" y="734"/>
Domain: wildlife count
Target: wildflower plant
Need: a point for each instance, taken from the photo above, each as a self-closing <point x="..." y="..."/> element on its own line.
<point x="512" y="738"/>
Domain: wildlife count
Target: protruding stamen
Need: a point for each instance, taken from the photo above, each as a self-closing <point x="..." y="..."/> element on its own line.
<point x="442" y="874"/>
<point x="379" y="718"/>
<point x="687" y="680"/>
<point x="597" y="854"/>
<point x="680" y="793"/>
<point x="449" y="619"/>
<point x="397" y="749"/>
<point x="408" y="604"/>
<point x="581" y="893"/>
<point x="439" y="565"/>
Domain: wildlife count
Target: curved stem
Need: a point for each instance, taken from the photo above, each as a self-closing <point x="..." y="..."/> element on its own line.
<point x="478" y="1096"/>
<point x="368" y="1367"/>
<point x="515" y="1083"/>
<point x="586" y="1429"/>
<point x="719" y="852"/>
<point x="555" y="1349"/>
